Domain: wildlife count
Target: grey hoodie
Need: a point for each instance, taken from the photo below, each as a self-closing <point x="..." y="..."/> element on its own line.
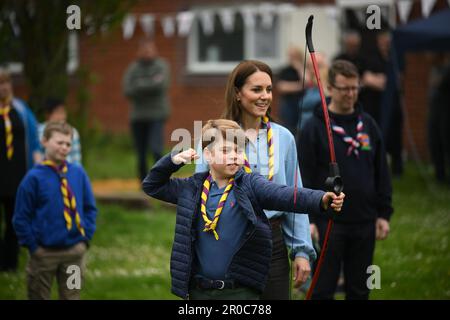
<point x="146" y="83"/>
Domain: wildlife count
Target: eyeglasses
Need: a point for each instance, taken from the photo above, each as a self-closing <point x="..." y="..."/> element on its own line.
<point x="347" y="89"/>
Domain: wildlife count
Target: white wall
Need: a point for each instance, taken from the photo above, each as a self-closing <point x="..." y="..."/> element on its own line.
<point x="325" y="33"/>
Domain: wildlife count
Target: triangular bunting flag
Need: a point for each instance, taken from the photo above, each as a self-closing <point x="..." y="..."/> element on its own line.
<point x="128" y="26"/>
<point x="185" y="20"/>
<point x="404" y="9"/>
<point x="147" y="22"/>
<point x="427" y="6"/>
<point x="227" y="17"/>
<point x="207" y="20"/>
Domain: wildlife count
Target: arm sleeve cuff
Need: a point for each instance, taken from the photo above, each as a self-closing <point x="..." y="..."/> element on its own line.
<point x="32" y="248"/>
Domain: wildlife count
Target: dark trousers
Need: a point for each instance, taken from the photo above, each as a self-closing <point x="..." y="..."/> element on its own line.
<point x="9" y="247"/>
<point x="241" y="293"/>
<point x="439" y="140"/>
<point x="351" y="246"/>
<point x="277" y="287"/>
<point x="394" y="141"/>
<point x="147" y="134"/>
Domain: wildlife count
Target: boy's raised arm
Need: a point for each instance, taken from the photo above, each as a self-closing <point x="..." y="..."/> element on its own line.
<point x="158" y="183"/>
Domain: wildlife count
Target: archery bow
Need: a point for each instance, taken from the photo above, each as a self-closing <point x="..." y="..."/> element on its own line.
<point x="334" y="182"/>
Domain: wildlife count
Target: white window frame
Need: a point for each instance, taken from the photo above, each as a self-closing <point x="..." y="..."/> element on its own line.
<point x="196" y="67"/>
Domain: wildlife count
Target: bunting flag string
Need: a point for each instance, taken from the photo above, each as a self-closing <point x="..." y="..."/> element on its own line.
<point x="181" y="23"/>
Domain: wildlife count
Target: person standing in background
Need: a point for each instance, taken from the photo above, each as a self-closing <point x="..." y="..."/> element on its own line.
<point x="146" y="84"/>
<point x="373" y="79"/>
<point x="439" y="118"/>
<point x="289" y="86"/>
<point x="311" y="95"/>
<point x="19" y="150"/>
<point x="372" y="96"/>
<point x="351" y="49"/>
<point x="55" y="111"/>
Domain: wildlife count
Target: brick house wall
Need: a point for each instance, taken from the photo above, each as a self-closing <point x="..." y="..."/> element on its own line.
<point x="193" y="97"/>
<point x="201" y="97"/>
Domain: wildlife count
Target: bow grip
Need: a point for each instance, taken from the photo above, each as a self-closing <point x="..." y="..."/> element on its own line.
<point x="334" y="181"/>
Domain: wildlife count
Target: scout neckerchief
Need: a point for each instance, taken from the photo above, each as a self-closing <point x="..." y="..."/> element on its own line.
<point x="210" y="225"/>
<point x="354" y="144"/>
<point x="70" y="205"/>
<point x="4" y="112"/>
<point x="271" y="148"/>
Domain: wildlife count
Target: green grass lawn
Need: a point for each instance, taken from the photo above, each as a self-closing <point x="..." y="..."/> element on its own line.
<point x="415" y="259"/>
<point x="108" y="156"/>
<point x="130" y="253"/>
<point x="129" y="257"/>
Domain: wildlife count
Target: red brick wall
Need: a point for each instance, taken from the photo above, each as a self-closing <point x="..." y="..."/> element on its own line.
<point x="192" y="97"/>
<point x="415" y="88"/>
<point x="201" y="97"/>
<point x="416" y="84"/>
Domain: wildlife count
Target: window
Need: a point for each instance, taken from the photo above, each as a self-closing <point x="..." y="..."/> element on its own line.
<point x="220" y="46"/>
<point x="221" y="51"/>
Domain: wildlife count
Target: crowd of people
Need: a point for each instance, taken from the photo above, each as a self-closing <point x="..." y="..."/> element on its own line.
<point x="249" y="187"/>
<point x="47" y="204"/>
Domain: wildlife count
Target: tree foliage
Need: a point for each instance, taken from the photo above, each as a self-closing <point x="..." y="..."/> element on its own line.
<point x="35" y="34"/>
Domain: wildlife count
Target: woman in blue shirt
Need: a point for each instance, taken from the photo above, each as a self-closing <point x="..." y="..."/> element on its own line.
<point x="271" y="151"/>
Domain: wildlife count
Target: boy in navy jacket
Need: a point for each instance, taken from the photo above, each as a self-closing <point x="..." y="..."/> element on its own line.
<point x="55" y="218"/>
<point x="222" y="246"/>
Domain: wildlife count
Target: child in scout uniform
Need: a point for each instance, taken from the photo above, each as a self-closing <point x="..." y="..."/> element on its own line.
<point x="223" y="243"/>
<point x="55" y="218"/>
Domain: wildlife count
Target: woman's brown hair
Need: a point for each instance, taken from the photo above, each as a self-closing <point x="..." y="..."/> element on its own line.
<point x="236" y="80"/>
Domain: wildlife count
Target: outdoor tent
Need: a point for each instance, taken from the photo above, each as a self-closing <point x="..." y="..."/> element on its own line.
<point x="428" y="34"/>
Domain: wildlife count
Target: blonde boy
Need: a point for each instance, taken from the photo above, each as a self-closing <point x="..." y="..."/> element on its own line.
<point x="222" y="246"/>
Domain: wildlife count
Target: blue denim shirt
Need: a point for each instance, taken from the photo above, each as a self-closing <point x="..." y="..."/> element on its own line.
<point x="296" y="230"/>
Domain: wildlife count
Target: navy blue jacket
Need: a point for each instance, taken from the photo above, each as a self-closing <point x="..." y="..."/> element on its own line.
<point x="250" y="264"/>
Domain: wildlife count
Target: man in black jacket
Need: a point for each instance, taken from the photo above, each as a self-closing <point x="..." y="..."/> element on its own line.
<point x="362" y="162"/>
